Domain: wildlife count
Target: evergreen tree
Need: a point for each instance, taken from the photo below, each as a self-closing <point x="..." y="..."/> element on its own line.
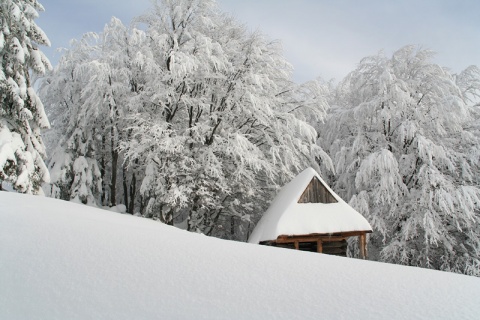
<point x="22" y="114"/>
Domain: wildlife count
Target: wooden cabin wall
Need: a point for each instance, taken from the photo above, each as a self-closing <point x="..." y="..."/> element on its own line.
<point x="337" y="247"/>
<point x="316" y="193"/>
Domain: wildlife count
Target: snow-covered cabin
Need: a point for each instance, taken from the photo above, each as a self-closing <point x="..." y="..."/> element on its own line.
<point x="307" y="215"/>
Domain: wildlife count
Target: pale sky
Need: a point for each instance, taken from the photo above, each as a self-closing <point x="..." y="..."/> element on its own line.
<point x="321" y="38"/>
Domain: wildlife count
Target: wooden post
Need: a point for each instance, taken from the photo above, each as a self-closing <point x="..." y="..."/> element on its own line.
<point x="319" y="246"/>
<point x="362" y="243"/>
<point x="296" y="245"/>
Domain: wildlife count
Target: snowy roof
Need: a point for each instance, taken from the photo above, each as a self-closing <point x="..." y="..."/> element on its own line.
<point x="288" y="217"/>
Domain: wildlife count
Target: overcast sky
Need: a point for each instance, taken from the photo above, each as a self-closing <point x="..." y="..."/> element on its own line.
<point x="321" y="38"/>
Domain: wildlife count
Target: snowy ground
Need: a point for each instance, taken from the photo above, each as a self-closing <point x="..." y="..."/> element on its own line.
<point x="60" y="260"/>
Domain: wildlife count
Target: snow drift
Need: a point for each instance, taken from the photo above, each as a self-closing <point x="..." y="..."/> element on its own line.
<point x="61" y="260"/>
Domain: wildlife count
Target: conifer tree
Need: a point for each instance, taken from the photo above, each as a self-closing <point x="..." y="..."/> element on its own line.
<point x="22" y="114"/>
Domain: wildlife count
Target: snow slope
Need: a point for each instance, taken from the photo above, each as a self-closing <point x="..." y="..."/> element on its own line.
<point x="60" y="260"/>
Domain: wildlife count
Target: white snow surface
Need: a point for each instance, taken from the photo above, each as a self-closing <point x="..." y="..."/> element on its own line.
<point x="60" y="260"/>
<point x="286" y="216"/>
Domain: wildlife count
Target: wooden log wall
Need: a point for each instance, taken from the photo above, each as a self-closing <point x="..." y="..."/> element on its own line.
<point x="334" y="244"/>
<point x="337" y="248"/>
<point x="331" y="246"/>
<point x="316" y="193"/>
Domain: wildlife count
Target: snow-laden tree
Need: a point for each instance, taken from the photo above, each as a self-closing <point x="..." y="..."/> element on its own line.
<point x="73" y="127"/>
<point x="89" y="95"/>
<point x="397" y="135"/>
<point x="193" y="120"/>
<point x="469" y="83"/>
<point x="219" y="132"/>
<point x="22" y="114"/>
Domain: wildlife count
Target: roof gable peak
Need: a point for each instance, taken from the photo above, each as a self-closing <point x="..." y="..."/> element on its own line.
<point x="316" y="192"/>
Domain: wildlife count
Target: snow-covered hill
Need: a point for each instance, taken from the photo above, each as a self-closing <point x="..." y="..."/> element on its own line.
<point x="60" y="260"/>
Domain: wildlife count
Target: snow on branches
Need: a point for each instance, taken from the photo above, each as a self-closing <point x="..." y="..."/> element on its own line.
<point x="22" y="114"/>
<point x="397" y="135"/>
<point x="216" y="133"/>
<point x="192" y="121"/>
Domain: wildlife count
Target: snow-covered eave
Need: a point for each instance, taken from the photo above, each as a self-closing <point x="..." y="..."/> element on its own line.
<point x="311" y="219"/>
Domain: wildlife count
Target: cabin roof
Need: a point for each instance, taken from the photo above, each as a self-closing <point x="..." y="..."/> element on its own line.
<point x="287" y="217"/>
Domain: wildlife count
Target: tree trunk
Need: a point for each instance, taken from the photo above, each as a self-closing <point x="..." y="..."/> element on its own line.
<point x="113" y="181"/>
<point x="102" y="172"/>
<point x="232" y="227"/>
<point x="142" y="205"/>
<point x="125" y="188"/>
<point x="133" y="191"/>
